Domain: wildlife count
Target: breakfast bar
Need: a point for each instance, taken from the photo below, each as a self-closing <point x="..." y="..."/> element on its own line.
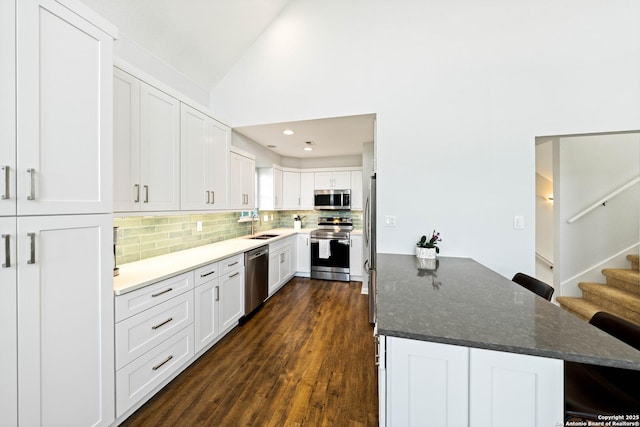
<point x="462" y="345"/>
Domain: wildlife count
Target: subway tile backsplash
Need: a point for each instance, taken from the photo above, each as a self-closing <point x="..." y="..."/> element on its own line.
<point x="145" y="237"/>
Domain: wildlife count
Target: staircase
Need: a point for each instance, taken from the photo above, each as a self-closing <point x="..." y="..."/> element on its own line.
<point x="620" y="295"/>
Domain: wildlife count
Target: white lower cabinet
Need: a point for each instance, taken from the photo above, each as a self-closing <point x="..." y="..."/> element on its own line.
<point x="432" y="384"/>
<point x="156" y="341"/>
<point x="303" y="257"/>
<point x="355" y="257"/>
<point x="281" y="263"/>
<point x="231" y="298"/>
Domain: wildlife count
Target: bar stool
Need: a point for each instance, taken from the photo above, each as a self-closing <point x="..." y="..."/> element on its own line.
<point x="534" y="285"/>
<point x="592" y="390"/>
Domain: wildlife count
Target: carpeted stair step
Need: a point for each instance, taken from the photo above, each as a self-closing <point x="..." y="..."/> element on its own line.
<point x="580" y="307"/>
<point x="613" y="300"/>
<point x="625" y="279"/>
<point x="635" y="261"/>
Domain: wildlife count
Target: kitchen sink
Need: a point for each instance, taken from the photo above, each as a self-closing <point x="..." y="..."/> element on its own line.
<point x="263" y="237"/>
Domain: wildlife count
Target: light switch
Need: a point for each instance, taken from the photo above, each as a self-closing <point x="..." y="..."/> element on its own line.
<point x="518" y="222"/>
<point x="389" y="221"/>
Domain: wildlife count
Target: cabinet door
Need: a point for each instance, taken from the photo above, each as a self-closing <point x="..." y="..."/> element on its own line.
<point x="505" y="387"/>
<point x="236" y="191"/>
<point x="7" y="109"/>
<point x="323" y="180"/>
<point x="274" y="270"/>
<point x="277" y="188"/>
<point x="355" y="256"/>
<point x="220" y="139"/>
<point x="342" y="180"/>
<point x="303" y="257"/>
<point x="126" y="142"/>
<point x="64" y="116"/>
<point x="65" y="320"/>
<point x="356" y="190"/>
<point x="206" y="311"/>
<point x="8" y="321"/>
<point x="306" y="190"/>
<point x="159" y="150"/>
<point x="291" y="190"/>
<point x="285" y="264"/>
<point x="195" y="158"/>
<point x="427" y="384"/>
<point x="249" y="182"/>
<point x="231" y="302"/>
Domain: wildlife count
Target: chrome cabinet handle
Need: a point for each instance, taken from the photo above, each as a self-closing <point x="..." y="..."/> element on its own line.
<point x="351" y="243"/>
<point x="232" y="264"/>
<point x="208" y="274"/>
<point x="213" y="197"/>
<point x="7" y="251"/>
<point x="307" y="241"/>
<point x="159" y="325"/>
<point x="6" y="183"/>
<point x="298" y="201"/>
<point x="208" y="197"/>
<point x="32" y="254"/>
<point x="146" y="194"/>
<point x="234" y="274"/>
<point x="282" y="257"/>
<point x="217" y="293"/>
<point x="376" y="343"/>
<point x="159" y="365"/>
<point x="161" y="292"/>
<point x="32" y="190"/>
<point x="137" y="188"/>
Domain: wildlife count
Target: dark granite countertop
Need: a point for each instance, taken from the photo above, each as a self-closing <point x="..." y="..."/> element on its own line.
<point x="461" y="302"/>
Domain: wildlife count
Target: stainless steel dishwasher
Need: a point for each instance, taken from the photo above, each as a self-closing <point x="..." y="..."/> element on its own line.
<point x="256" y="285"/>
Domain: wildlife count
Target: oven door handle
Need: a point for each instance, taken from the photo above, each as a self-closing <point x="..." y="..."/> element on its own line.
<point x="345" y="242"/>
<point x="312" y="240"/>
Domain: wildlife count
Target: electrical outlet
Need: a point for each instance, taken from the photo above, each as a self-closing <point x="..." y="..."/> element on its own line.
<point x="199" y="226"/>
<point x="389" y="221"/>
<point x="518" y="222"/>
<point x="271" y="217"/>
<point x="265" y="218"/>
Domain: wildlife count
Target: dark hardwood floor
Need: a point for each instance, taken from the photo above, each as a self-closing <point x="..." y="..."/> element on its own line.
<point x="304" y="359"/>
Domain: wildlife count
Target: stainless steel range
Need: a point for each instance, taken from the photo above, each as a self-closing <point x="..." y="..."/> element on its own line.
<point x="330" y="245"/>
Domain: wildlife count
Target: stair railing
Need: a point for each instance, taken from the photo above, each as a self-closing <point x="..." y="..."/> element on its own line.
<point x="545" y="260"/>
<point x="604" y="200"/>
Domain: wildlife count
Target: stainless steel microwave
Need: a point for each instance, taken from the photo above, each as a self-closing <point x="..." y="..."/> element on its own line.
<point x="332" y="200"/>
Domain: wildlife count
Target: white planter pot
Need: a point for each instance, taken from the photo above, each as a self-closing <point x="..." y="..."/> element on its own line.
<point x="427" y="253"/>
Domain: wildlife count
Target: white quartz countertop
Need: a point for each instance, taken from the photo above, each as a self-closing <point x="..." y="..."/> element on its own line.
<point x="139" y="274"/>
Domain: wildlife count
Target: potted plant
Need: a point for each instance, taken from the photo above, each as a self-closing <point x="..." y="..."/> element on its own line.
<point x="427" y="247"/>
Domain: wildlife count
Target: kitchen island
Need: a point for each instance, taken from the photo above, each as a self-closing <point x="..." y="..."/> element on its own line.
<point x="467" y="346"/>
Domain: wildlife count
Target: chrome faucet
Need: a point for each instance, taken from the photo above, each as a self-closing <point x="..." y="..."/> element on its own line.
<point x="254" y="216"/>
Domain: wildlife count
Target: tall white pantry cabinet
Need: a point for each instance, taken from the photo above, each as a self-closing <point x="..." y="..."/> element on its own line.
<point x="56" y="205"/>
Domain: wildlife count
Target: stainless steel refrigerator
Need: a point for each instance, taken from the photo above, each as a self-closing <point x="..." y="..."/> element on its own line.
<point x="370" y="246"/>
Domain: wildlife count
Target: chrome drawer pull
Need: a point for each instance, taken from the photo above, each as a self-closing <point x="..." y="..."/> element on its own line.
<point x="232" y="264"/>
<point x="208" y="197"/>
<point x="6" y="183"/>
<point x="213" y="197"/>
<point x="234" y="274"/>
<point x="208" y="274"/>
<point x="217" y="293"/>
<point x="137" y="188"/>
<point x="32" y="190"/>
<point x="162" y="324"/>
<point x="32" y="253"/>
<point x="161" y="292"/>
<point x="146" y="194"/>
<point x="159" y="365"/>
<point x="7" y="251"/>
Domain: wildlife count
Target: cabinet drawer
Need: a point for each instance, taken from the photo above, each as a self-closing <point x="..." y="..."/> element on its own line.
<point x="280" y="244"/>
<point x="137" y="301"/>
<point x="138" y="334"/>
<point x="137" y="379"/>
<point x="232" y="263"/>
<point x="206" y="273"/>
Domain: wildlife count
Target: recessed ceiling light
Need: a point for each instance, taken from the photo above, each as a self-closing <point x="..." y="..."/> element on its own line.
<point x="308" y="149"/>
<point x="288" y="132"/>
<point x="308" y="145"/>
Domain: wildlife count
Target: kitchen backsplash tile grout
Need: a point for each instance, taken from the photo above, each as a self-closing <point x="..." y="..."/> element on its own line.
<point x="145" y="237"/>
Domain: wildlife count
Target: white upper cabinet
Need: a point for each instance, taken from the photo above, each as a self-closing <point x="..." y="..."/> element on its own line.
<point x="146" y="146"/>
<point x="339" y="180"/>
<point x="241" y="180"/>
<point x="204" y="146"/>
<point x="270" y="188"/>
<point x="297" y="190"/>
<point x="7" y="110"/>
<point x="64" y="132"/>
<point x="8" y="319"/>
<point x="356" y="190"/>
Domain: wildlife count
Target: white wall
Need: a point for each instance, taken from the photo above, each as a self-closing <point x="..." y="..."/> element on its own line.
<point x="322" y="162"/>
<point x="590" y="167"/>
<point x="461" y="89"/>
<point x="264" y="158"/>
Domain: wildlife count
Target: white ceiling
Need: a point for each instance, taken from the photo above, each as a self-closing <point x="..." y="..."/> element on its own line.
<point x="338" y="136"/>
<point x="201" y="39"/>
